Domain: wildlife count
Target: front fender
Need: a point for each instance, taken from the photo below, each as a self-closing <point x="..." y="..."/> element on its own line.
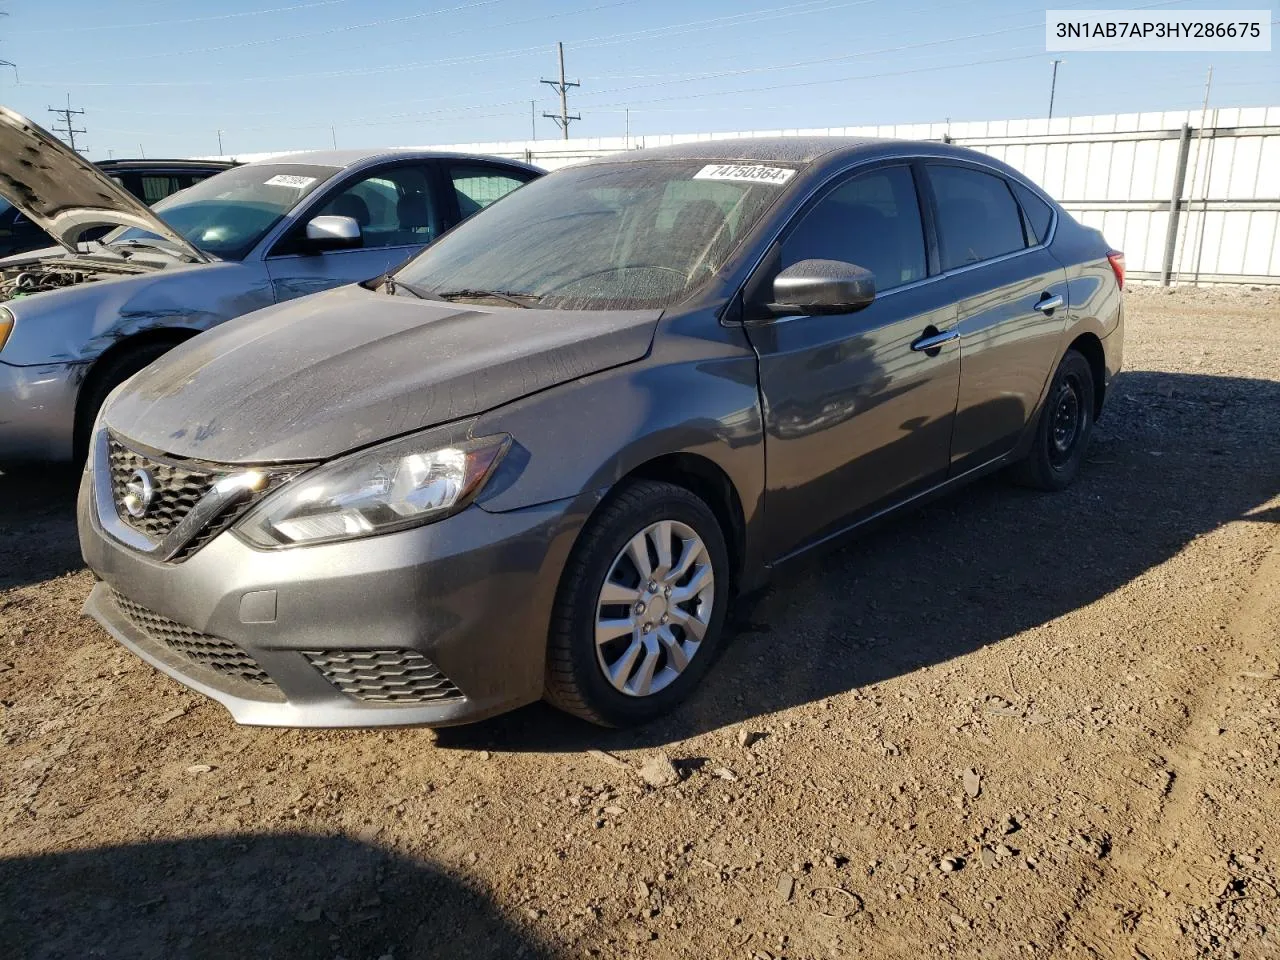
<point x="78" y="324"/>
<point x="695" y="394"/>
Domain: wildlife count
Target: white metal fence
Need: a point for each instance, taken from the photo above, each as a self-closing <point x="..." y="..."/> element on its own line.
<point x="1188" y="202"/>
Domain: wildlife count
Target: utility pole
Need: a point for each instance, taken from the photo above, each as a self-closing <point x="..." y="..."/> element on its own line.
<point x="562" y="86"/>
<point x="219" y="143"/>
<point x="333" y="135"/>
<point x="533" y="119"/>
<point x="67" y="129"/>
<point x="1053" y="87"/>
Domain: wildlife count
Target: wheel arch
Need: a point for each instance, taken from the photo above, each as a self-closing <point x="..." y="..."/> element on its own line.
<point x="170" y="336"/>
<point x="707" y="480"/>
<point x="1090" y="347"/>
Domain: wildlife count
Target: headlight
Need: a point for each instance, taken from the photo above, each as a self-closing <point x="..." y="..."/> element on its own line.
<point x="400" y="484"/>
<point x="6" y="325"/>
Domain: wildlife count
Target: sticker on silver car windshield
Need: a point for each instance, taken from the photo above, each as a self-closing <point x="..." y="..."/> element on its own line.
<point x="289" y="180"/>
<point x="745" y="173"/>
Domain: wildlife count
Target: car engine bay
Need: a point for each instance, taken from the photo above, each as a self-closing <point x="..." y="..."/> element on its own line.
<point x="54" y="273"/>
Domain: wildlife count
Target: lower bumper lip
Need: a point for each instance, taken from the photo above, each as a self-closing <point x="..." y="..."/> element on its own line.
<point x="470" y="596"/>
<point x="276" y="711"/>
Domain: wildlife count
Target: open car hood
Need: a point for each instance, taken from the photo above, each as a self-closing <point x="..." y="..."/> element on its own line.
<point x="63" y="193"/>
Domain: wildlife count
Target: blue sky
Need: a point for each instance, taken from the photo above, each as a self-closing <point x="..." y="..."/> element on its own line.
<point x="164" y="76"/>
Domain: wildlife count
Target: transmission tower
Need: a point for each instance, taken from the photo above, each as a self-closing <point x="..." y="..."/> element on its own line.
<point x="562" y="86"/>
<point x="68" y="130"/>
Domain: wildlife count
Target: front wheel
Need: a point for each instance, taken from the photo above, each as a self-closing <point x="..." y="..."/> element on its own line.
<point x="640" y="608"/>
<point x="1063" y="430"/>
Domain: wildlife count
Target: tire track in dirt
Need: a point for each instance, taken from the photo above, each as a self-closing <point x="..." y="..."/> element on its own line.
<point x="1140" y="907"/>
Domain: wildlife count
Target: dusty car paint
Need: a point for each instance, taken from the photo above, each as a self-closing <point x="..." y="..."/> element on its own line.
<point x="810" y="427"/>
<point x="315" y="385"/>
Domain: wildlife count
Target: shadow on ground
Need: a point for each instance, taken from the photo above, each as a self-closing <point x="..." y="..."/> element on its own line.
<point x="275" y="896"/>
<point x="1175" y="457"/>
<point x="37" y="524"/>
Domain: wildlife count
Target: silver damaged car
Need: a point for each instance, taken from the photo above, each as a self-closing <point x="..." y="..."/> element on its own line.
<point x="79" y="319"/>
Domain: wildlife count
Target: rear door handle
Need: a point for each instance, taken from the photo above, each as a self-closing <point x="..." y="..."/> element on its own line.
<point x="1048" y="304"/>
<point x="932" y="341"/>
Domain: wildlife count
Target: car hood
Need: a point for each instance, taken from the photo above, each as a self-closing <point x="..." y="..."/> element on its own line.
<point x="63" y="193"/>
<point x="317" y="377"/>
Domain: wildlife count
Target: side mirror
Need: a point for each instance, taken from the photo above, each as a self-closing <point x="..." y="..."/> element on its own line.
<point x="822" y="286"/>
<point x="333" y="233"/>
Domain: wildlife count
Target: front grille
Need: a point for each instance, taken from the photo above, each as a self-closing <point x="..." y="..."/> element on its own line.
<point x="384" y="676"/>
<point x="178" y="488"/>
<point x="214" y="653"/>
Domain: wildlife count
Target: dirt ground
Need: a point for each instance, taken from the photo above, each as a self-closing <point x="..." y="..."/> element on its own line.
<point x="1007" y="725"/>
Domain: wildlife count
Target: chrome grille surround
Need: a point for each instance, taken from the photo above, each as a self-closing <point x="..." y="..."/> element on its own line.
<point x="193" y="501"/>
<point x="179" y="487"/>
<point x="384" y="676"/>
<point x="213" y="653"/>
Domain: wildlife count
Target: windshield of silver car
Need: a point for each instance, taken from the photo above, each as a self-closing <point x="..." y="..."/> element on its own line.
<point x="638" y="235"/>
<point x="226" y="215"/>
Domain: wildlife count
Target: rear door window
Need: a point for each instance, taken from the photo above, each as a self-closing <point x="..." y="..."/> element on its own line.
<point x="978" y="218"/>
<point x="873" y="221"/>
<point x="1039" y="214"/>
<point x="476" y="186"/>
<point x="156" y="186"/>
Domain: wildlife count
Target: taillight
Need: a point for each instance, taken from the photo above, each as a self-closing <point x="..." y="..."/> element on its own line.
<point x="1116" y="258"/>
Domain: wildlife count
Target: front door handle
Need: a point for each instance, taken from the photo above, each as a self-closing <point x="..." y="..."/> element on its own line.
<point x="932" y="339"/>
<point x="1048" y="304"/>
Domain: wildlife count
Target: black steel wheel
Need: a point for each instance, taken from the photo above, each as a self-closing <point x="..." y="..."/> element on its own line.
<point x="1063" y="430"/>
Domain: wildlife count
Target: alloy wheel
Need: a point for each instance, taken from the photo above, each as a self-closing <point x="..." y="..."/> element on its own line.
<point x="654" y="608"/>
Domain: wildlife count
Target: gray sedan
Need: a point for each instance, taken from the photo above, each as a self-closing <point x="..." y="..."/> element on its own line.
<point x="541" y="458"/>
<point x="77" y="321"/>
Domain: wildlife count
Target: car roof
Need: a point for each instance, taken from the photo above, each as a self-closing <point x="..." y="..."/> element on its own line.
<point x="802" y="149"/>
<point x="150" y="164"/>
<point x="351" y="158"/>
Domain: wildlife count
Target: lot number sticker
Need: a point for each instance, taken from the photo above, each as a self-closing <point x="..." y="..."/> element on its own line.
<point x="745" y="173"/>
<point x="286" y="180"/>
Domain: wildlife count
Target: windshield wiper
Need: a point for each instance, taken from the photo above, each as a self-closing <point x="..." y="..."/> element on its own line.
<point x="511" y="297"/>
<point x="394" y="286"/>
<point x="150" y="245"/>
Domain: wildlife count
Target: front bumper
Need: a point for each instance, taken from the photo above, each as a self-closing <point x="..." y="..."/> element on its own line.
<point x="471" y="594"/>
<point x="38" y="411"/>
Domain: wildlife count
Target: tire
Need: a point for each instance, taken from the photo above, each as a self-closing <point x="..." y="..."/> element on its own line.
<point x="576" y="680"/>
<point x="105" y="378"/>
<point x="1054" y="460"/>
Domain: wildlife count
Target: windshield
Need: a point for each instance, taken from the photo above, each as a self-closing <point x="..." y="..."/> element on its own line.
<point x="228" y="214"/>
<point x="638" y="235"/>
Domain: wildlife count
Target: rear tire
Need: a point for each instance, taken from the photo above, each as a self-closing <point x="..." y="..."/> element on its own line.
<point x="1063" y="429"/>
<point x="624" y="646"/>
<point x="105" y="378"/>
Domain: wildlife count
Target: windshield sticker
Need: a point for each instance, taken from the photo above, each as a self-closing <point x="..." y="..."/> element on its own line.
<point x="745" y="174"/>
<point x="287" y="180"/>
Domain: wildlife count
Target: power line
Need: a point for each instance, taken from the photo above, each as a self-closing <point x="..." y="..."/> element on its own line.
<point x="562" y="86"/>
<point x="164" y="23"/>
<point x="650" y="33"/>
<point x="68" y="129"/>
<point x="346" y="28"/>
